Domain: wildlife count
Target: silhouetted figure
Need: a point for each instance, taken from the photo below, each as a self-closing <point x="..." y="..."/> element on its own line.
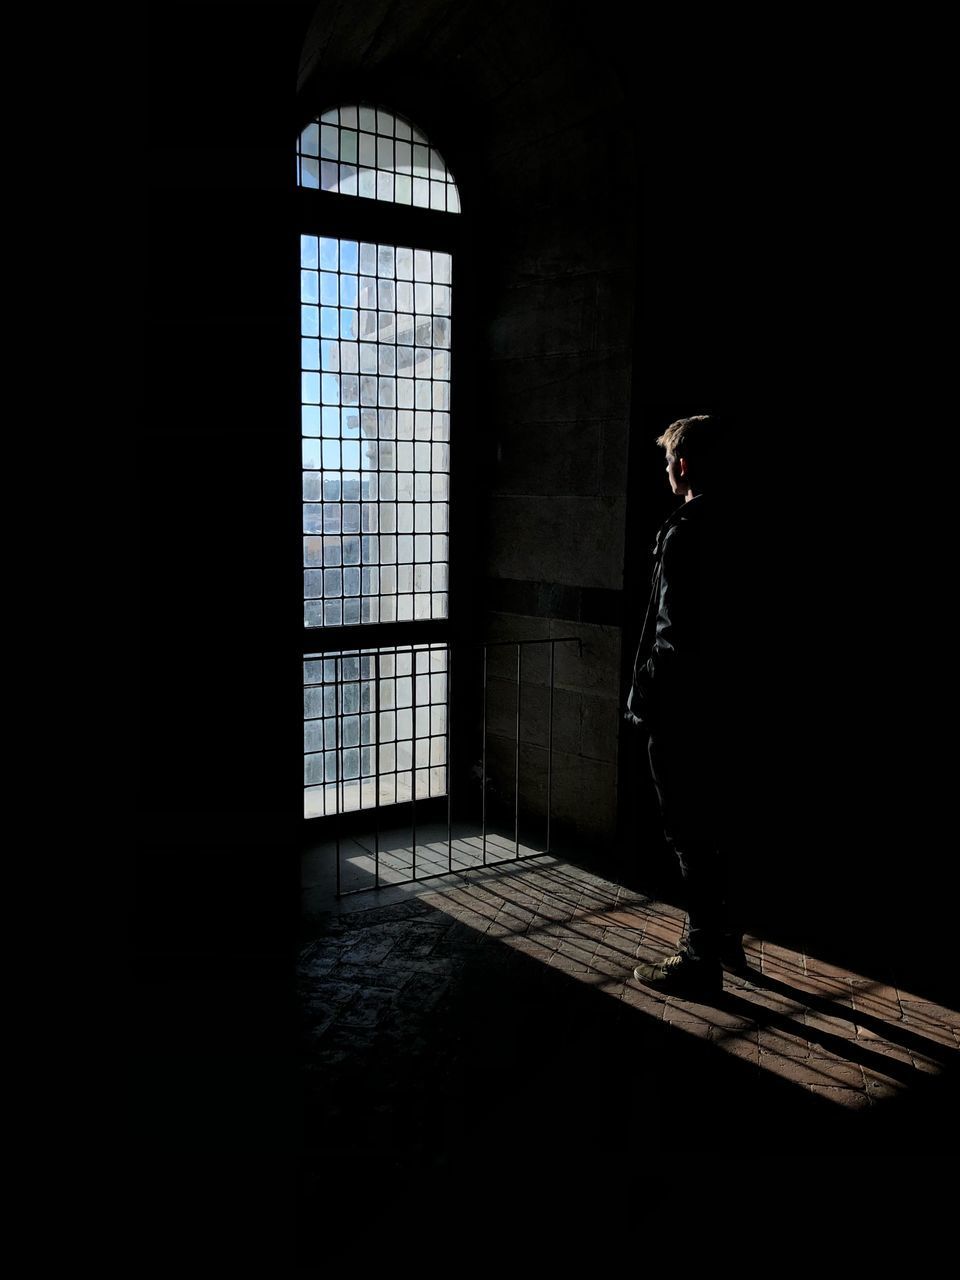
<point x="683" y="694"/>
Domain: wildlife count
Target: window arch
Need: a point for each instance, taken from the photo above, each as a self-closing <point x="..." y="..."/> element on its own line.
<point x="375" y="154"/>
<point x="376" y="312"/>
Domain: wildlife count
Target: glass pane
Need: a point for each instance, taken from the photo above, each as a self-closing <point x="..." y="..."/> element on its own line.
<point x="328" y="141"/>
<point x="348" y="255"/>
<point x="310" y="140"/>
<point x="309" y="284"/>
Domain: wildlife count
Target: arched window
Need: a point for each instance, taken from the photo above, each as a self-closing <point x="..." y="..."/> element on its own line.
<point x="362" y="151"/>
<point x="376" y="316"/>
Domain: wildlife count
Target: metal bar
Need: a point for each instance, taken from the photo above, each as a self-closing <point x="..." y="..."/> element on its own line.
<point x="356" y="636"/>
<point x="491" y="644"/>
<point x="338" y="750"/>
<point x="413" y="758"/>
<point x="346" y="217"/>
<point x="433" y="875"/>
<point x="376" y="768"/>
<point x="319" y="642"/>
<point x="516" y="768"/>
<point x="449" y="771"/>
<point x="483" y="765"/>
<point x="339" y="747"/>
<point x="550" y="745"/>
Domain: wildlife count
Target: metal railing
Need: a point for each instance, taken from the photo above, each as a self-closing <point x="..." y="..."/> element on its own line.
<point x="483" y="835"/>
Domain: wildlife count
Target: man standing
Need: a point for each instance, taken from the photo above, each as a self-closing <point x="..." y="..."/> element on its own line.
<point x="683" y="693"/>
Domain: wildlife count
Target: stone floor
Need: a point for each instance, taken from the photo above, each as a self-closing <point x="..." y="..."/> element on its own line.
<point x="489" y="1021"/>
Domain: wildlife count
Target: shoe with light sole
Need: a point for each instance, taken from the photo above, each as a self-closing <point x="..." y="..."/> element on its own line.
<point x="681" y="975"/>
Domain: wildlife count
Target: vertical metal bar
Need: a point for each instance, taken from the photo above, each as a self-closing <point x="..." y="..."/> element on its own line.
<point x="516" y="768"/>
<point x="338" y="748"/>
<point x="375" y="700"/>
<point x="337" y="820"/>
<point x="447" y="762"/>
<point x="550" y="744"/>
<point x="413" y="759"/>
<point x="483" y="765"/>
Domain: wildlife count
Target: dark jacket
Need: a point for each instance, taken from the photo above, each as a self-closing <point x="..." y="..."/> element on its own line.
<point x="682" y="663"/>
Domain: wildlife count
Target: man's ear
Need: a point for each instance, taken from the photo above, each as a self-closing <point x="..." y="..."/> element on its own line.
<point x="682" y="468"/>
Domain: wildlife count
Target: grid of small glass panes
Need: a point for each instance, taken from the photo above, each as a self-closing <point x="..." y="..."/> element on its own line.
<point x="363" y="151"/>
<point x="374" y="729"/>
<point x="375" y="357"/>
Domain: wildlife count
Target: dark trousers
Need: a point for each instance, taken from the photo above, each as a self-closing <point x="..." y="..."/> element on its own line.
<point x="687" y="769"/>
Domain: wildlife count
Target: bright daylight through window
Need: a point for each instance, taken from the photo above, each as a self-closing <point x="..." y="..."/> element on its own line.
<point x="375" y="395"/>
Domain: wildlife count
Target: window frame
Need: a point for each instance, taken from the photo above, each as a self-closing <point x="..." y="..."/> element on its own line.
<point x="334" y="215"/>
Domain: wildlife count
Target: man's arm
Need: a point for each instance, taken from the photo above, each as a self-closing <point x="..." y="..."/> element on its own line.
<point x="667" y="677"/>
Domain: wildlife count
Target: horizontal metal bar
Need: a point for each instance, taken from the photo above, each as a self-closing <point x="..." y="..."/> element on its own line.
<point x="334" y="643"/>
<point x="436" y="875"/>
<point x="342" y="217"/>
<point x="326" y="644"/>
<point x="320" y="640"/>
<point x="490" y="644"/>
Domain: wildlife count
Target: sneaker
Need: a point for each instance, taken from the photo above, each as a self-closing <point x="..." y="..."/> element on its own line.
<point x="682" y="975"/>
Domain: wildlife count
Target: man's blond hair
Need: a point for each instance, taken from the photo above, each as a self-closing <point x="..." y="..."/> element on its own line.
<point x="684" y="432"/>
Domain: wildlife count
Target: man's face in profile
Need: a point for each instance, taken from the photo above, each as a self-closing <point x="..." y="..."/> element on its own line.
<point x="677" y="482"/>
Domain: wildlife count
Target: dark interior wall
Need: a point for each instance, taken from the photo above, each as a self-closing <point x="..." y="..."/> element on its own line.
<point x="559" y="348"/>
<point x="216" y="464"/>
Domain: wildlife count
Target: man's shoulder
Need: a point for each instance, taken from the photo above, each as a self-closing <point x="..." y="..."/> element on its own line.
<point x="709" y="535"/>
<point x="680" y="545"/>
<point x="684" y="525"/>
<point x="706" y="519"/>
